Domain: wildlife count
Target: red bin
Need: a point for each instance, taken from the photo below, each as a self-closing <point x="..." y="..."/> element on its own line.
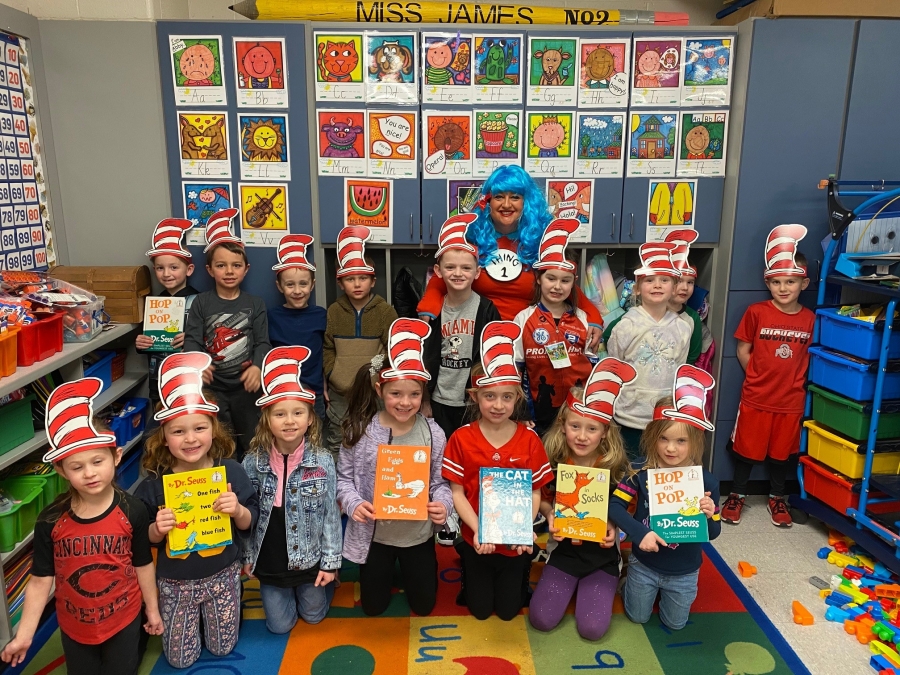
<point x="40" y="340"/>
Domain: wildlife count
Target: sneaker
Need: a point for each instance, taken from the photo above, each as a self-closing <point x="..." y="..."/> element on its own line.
<point x="447" y="535"/>
<point x="781" y="514"/>
<point x="731" y="509"/>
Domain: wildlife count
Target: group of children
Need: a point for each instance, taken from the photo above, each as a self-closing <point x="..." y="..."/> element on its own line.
<point x="298" y="465"/>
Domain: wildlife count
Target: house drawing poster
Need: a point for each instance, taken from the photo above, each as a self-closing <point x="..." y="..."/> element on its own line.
<point x="198" y="529"/>
<point x="707" y="71"/>
<point x="497" y="75"/>
<point x="197" y="69"/>
<point x="603" y="68"/>
<point x="653" y="138"/>
<point x="581" y="502"/>
<point x="598" y="145"/>
<point x="260" y="72"/>
<point x="448" y="141"/>
<point x="392" y="68"/>
<point x="497" y="140"/>
<point x="504" y="507"/>
<point x="675" y="494"/>
<point x="341" y="142"/>
<point x="402" y="476"/>
<point x="701" y="151"/>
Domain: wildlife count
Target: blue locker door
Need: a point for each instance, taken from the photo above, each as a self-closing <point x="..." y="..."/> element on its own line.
<point x="606" y="211"/>
<point x="434" y="208"/>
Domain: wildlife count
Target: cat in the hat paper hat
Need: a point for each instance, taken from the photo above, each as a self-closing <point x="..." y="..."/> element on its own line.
<point x="555" y="270"/>
<point x="786" y="272"/>
<point x="295" y="275"/>
<point x="355" y="274"/>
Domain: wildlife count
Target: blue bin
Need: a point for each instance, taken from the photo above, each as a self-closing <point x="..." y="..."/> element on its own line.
<point x="132" y="424"/>
<point x="855" y="337"/>
<point x="850" y="378"/>
<point x="130" y="469"/>
<point x="102" y="369"/>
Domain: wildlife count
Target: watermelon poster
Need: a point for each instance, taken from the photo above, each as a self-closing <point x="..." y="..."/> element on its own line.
<point x="370" y="202"/>
<point x="392" y="143"/>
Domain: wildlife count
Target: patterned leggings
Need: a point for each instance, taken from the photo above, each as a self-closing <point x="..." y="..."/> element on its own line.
<point x="593" y="602"/>
<point x="180" y="603"/>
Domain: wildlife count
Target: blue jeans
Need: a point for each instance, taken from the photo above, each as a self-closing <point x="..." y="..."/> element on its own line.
<point x="284" y="606"/>
<point x="676" y="595"/>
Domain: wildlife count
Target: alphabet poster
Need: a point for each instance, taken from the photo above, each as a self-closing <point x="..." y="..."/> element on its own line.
<point x="657" y="72"/>
<point x="448" y="137"/>
<point x="198" y="529"/>
<point x="707" y="71"/>
<point x="392" y="69"/>
<point x="581" y="503"/>
<point x="651" y="144"/>
<point x="599" y="145"/>
<point x="447" y="68"/>
<point x="392" y="143"/>
<point x="197" y="69"/>
<point x="671" y="206"/>
<point x="264" y="213"/>
<point x="201" y="200"/>
<point x="675" y="495"/>
<point x="342" y="142"/>
<point x="402" y="474"/>
<point x="260" y="73"/>
<point x="603" y="68"/>
<point x="462" y="196"/>
<point x="498" y="140"/>
<point x="370" y="202"/>
<point x="203" y="140"/>
<point x="702" y="148"/>
<point x="573" y="199"/>
<point x="339" y="67"/>
<point x="264" y="147"/>
<point x="550" y="144"/>
<point x="552" y="71"/>
<point x="498" y="68"/>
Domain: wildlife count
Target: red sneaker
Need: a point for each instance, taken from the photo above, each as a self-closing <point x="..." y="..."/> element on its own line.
<point x="731" y="509"/>
<point x="781" y="514"/>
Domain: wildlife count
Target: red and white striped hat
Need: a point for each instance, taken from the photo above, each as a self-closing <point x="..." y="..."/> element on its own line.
<point x="552" y="253"/>
<point x="292" y="253"/>
<point x="218" y="229"/>
<point x="351" y="251"/>
<point x="781" y="249"/>
<point x="181" y="386"/>
<point x="498" y="354"/>
<point x="682" y="240"/>
<point x="603" y="386"/>
<point x="656" y="259"/>
<point x="70" y="428"/>
<point x="689" y="393"/>
<point x="453" y="234"/>
<point x="167" y="238"/>
<point x="281" y="376"/>
<point x="405" y="346"/>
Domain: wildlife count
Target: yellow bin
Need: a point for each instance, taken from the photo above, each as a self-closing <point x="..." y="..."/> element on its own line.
<point x="844" y="456"/>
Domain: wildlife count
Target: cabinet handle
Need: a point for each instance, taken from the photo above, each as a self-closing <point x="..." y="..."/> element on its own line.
<point x="430" y="226"/>
<point x="612" y="225"/>
<point x="631" y="229"/>
<point x="410" y="227"/>
<point x="421" y="231"/>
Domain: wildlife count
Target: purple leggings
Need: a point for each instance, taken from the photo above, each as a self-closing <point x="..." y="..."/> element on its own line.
<point x="593" y="605"/>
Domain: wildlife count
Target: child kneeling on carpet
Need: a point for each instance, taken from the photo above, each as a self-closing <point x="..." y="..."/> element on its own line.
<point x="583" y="435"/>
<point x="296" y="545"/>
<point x="95" y="639"/>
<point x="377" y="544"/>
<point x="673" y="439"/>
<point x="493" y="573"/>
<point x="190" y="437"/>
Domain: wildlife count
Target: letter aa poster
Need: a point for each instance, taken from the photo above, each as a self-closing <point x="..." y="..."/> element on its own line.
<point x="675" y="495"/>
<point x="402" y="474"/>
<point x="198" y="529"/>
<point x="582" y="502"/>
<point x="197" y="69"/>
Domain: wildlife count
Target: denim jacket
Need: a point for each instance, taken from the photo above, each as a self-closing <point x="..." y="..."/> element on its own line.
<point x="311" y="512"/>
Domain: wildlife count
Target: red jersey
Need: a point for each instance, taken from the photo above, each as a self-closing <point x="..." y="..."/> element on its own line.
<point x="468" y="451"/>
<point x="776" y="373"/>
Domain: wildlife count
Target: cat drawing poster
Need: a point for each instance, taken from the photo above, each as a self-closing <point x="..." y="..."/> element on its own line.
<point x="581" y="502"/>
<point x="203" y="143"/>
<point x="504" y="507"/>
<point x="198" y="529"/>
<point x="339" y="67"/>
<point x="675" y="495"/>
<point x="197" y="69"/>
<point x="402" y="476"/>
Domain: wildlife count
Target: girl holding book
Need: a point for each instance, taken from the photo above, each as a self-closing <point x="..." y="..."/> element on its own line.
<point x="584" y="435"/>
<point x="674" y="438"/>
<point x="493" y="574"/>
<point x="377" y="545"/>
<point x="295" y="550"/>
<point x="190" y="438"/>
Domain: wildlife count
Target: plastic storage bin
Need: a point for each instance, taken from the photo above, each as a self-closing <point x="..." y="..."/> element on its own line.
<point x="40" y="340"/>
<point x="82" y="323"/>
<point x="853" y="379"/>
<point x="851" y="418"/>
<point x="854" y="337"/>
<point x="129" y="470"/>
<point x="848" y="457"/>
<point x="8" y="346"/>
<point x="18" y="523"/>
<point x="102" y="369"/>
<point x="131" y="424"/>
<point x="16" y="423"/>
<point x="118" y="364"/>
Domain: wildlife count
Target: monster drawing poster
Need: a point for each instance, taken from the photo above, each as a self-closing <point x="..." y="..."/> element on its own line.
<point x="657" y="72"/>
<point x="552" y="71"/>
<point x="197" y="69"/>
<point x="702" y="148"/>
<point x="707" y="71"/>
<point x="448" y="136"/>
<point x="497" y="68"/>
<point x="550" y="144"/>
<point x="392" y="143"/>
<point x="203" y="144"/>
<point x="598" y="145"/>
<point x="497" y="139"/>
<point x="342" y="142"/>
<point x="392" y="68"/>
<point x="603" y="67"/>
<point x="264" y="147"/>
<point x="264" y="213"/>
<point x="201" y="200"/>
<point x="260" y="73"/>
<point x="370" y="202"/>
<point x="340" y="64"/>
<point x="446" y="68"/>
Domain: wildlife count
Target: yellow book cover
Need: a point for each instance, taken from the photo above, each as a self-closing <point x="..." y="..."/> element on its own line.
<point x="402" y="474"/>
<point x="582" y="502"/>
<point x="198" y="529"/>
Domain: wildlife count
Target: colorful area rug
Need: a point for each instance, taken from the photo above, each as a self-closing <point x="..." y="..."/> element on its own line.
<point x="728" y="634"/>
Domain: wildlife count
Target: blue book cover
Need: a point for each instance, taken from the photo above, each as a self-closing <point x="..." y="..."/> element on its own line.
<point x="504" y="507"/>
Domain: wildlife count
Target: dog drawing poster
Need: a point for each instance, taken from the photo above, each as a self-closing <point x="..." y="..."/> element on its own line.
<point x="392" y="67"/>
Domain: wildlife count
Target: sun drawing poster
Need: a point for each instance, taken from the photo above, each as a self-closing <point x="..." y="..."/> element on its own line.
<point x="402" y="474"/>
<point x="504" y="507"/>
<point x="198" y="529"/>
<point x="581" y="502"/>
<point x="675" y="495"/>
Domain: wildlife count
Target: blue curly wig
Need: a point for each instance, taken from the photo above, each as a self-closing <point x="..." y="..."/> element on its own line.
<point x="532" y="223"/>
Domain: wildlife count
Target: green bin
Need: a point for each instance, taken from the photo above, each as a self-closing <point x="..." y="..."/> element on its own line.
<point x="18" y="523"/>
<point x="16" y="422"/>
<point x="851" y="418"/>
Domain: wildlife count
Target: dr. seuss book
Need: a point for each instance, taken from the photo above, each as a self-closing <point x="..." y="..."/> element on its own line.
<point x="401" y="482"/>
<point x="198" y="529"/>
<point x="582" y="502"/>
<point x="504" y="507"/>
<point x="675" y="495"/>
<point x="163" y="320"/>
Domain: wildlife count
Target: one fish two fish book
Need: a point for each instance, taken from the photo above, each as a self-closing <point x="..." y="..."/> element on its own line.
<point x="198" y="529"/>
<point x="675" y="495"/>
<point x="504" y="507"/>
<point x="581" y="502"/>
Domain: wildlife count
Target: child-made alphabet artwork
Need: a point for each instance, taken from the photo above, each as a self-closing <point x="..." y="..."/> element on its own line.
<point x="671" y="206"/>
<point x="702" y="149"/>
<point x="264" y="147"/>
<point x="264" y="213"/>
<point x="675" y="495"/>
<point x="581" y="503"/>
<point x="550" y="144"/>
<point x="598" y="148"/>
<point x="462" y="196"/>
<point x="402" y="476"/>
<point x="370" y="202"/>
<point x="203" y="140"/>
<point x="652" y="142"/>
<point x="340" y="63"/>
<point x="392" y="68"/>
<point x="603" y="69"/>
<point x="447" y="68"/>
<point x="260" y="72"/>
<point x="342" y="142"/>
<point x="198" y="529"/>
<point x="707" y="71"/>
<point x="504" y="507"/>
<point x="498" y="139"/>
<point x="197" y="69"/>
<point x="573" y="199"/>
<point x="552" y="71"/>
<point x="201" y="200"/>
<point x="657" y="72"/>
<point x="448" y="137"/>
<point x="498" y="68"/>
<point x="392" y="143"/>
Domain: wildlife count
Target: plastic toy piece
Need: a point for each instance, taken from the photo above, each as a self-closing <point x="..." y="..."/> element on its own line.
<point x="746" y="569"/>
<point x="819" y="583"/>
<point x="823" y="552"/>
<point x="862" y="632"/>
<point x="853" y="572"/>
<point x="837" y="599"/>
<point x="837" y="615"/>
<point x="880" y="663"/>
<point x="841" y="547"/>
<point x="825" y="592"/>
<point x="802" y="615"/>
<point x="885" y="632"/>
<point x="840" y="559"/>
<point x="888" y="591"/>
<point x="835" y="536"/>
<point x="882" y="649"/>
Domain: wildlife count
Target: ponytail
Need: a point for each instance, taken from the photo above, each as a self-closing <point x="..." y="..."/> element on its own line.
<point x="362" y="406"/>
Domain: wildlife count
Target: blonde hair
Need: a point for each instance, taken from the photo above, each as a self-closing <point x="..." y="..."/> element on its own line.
<point x="610" y="453"/>
<point x="263" y="440"/>
<point x="473" y="410"/>
<point x="157" y="457"/>
<point x="638" y="278"/>
<point x="650" y="438"/>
